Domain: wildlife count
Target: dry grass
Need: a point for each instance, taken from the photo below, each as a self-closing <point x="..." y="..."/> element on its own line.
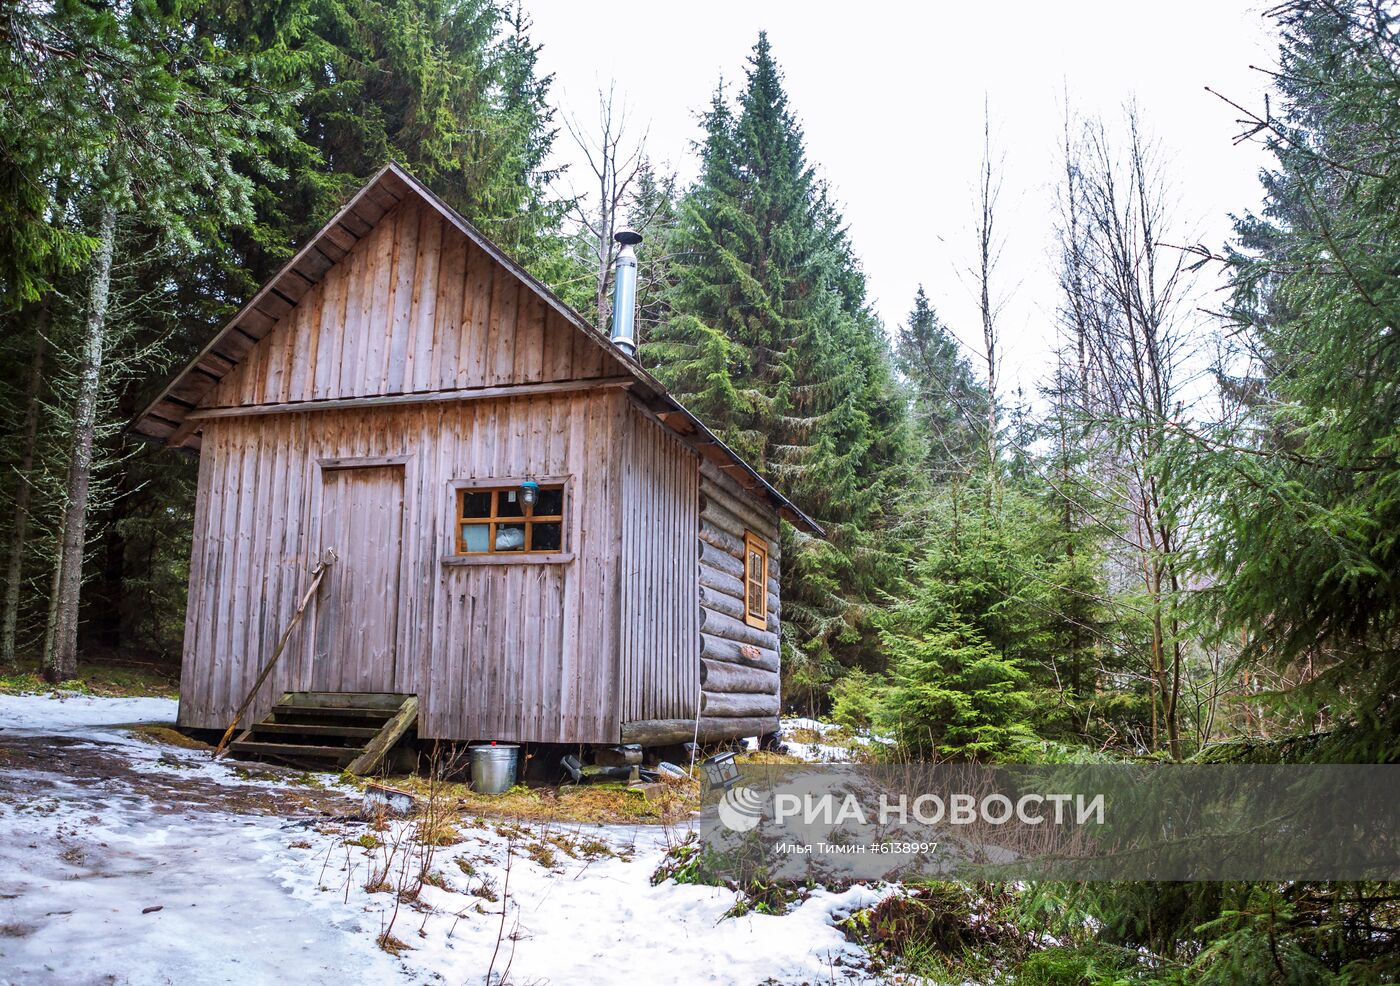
<point x="167" y="736"/>
<point x="392" y="945"/>
<point x="607" y="804"/>
<point x="764" y="757"/>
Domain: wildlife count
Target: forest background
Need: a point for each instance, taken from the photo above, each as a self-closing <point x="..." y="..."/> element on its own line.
<point x="1181" y="544"/>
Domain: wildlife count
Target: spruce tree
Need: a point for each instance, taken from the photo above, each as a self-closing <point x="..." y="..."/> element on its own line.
<point x="771" y="341"/>
<point x="1305" y="485"/>
<point x="950" y="403"/>
<point x="448" y="88"/>
<point x="999" y="586"/>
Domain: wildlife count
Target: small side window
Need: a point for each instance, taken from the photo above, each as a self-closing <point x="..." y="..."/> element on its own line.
<point x="755" y="581"/>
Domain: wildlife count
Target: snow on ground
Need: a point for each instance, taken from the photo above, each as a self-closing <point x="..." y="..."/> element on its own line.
<point x="259" y="876"/>
<point x="73" y="714"/>
<point x="834" y="744"/>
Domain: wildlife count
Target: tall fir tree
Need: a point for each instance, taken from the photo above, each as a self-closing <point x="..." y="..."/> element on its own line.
<point x="448" y="88"/>
<point x="1305" y="482"/>
<point x="771" y="341"/>
<point x="950" y="403"/>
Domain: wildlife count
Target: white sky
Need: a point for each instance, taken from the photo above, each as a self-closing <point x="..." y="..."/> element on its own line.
<point x="890" y="98"/>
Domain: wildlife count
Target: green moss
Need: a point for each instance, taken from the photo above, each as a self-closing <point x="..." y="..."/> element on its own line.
<point x="107" y="680"/>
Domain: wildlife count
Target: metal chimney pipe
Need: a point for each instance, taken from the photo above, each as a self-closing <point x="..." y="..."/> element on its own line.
<point x="624" y="314"/>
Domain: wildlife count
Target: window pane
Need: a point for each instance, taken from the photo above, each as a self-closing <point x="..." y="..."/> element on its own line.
<point x="546" y="537"/>
<point x="755" y="565"/>
<point x="755" y="607"/>
<point x="550" y="502"/>
<point x="475" y="537"/>
<point x="508" y="503"/>
<point x="476" y="503"/>
<point x="510" y="537"/>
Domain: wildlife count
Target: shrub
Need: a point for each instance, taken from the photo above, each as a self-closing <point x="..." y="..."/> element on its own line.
<point x="953" y="695"/>
<point x="855" y="700"/>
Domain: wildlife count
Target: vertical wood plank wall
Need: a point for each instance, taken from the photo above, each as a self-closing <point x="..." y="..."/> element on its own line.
<point x="559" y="652"/>
<point x="660" y="608"/>
<point x="356" y="622"/>
<point x="517" y="651"/>
<point x="415" y="307"/>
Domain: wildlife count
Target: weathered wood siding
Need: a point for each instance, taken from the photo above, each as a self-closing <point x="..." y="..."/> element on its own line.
<point x="739" y="663"/>
<point x="639" y="614"/>
<point x="660" y="607"/>
<point x="356" y="621"/>
<point x="522" y="650"/>
<point x="414" y="307"/>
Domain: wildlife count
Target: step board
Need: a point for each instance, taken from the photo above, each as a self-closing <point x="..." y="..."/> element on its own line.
<point x="317" y="729"/>
<point x="300" y="712"/>
<point x="354" y="730"/>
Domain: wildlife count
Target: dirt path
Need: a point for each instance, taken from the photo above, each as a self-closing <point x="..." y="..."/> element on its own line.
<point x="38" y="767"/>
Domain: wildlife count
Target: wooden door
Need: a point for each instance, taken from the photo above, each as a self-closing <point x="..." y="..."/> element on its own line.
<point x="357" y="614"/>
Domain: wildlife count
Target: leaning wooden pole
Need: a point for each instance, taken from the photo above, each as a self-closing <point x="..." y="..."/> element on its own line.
<point x="317" y="574"/>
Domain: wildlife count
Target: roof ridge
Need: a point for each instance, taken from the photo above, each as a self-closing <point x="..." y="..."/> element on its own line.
<point x="165" y="418"/>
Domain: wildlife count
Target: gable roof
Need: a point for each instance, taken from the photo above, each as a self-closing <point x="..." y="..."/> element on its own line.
<point x="165" y="420"/>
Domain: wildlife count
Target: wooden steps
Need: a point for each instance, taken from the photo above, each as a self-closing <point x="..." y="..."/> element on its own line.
<point x="331" y="730"/>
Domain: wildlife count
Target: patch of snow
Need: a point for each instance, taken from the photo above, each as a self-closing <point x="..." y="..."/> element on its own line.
<point x="820" y="751"/>
<point x="73" y="714"/>
<point x="251" y="898"/>
<point x="81" y="872"/>
<point x="83" y="858"/>
<point x="584" y="922"/>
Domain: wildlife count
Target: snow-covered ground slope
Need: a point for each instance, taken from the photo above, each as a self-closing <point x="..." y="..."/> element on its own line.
<point x="125" y="861"/>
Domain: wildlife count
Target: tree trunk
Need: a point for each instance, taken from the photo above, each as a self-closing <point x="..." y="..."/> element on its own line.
<point x="24" y="490"/>
<point x="62" y="662"/>
<point x="986" y="255"/>
<point x="106" y="602"/>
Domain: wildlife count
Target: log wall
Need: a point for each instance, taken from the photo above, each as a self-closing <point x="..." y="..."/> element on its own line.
<point x="739" y="664"/>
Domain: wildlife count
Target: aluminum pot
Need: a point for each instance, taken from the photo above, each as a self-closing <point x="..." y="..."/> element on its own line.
<point x="494" y="767"/>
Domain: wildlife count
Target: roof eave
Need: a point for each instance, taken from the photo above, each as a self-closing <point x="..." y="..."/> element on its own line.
<point x="382" y="180"/>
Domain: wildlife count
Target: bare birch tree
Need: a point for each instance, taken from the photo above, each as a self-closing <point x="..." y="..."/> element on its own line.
<point x="988" y="254"/>
<point x="615" y="161"/>
<point x="61" y="646"/>
<point x="1126" y="291"/>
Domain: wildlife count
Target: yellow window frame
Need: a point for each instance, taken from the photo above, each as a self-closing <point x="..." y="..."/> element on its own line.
<point x="755" y="581"/>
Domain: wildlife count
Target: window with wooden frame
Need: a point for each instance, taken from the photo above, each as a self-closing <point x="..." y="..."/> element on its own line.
<point x="755" y="580"/>
<point x="493" y="520"/>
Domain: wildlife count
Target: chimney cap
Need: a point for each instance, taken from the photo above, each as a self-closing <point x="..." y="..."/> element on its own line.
<point x="627" y="237"/>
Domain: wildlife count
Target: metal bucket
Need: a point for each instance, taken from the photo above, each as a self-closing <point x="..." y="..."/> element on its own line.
<point x="494" y="767"/>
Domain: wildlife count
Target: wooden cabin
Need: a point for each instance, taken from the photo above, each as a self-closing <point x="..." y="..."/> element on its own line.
<point x="387" y="401"/>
